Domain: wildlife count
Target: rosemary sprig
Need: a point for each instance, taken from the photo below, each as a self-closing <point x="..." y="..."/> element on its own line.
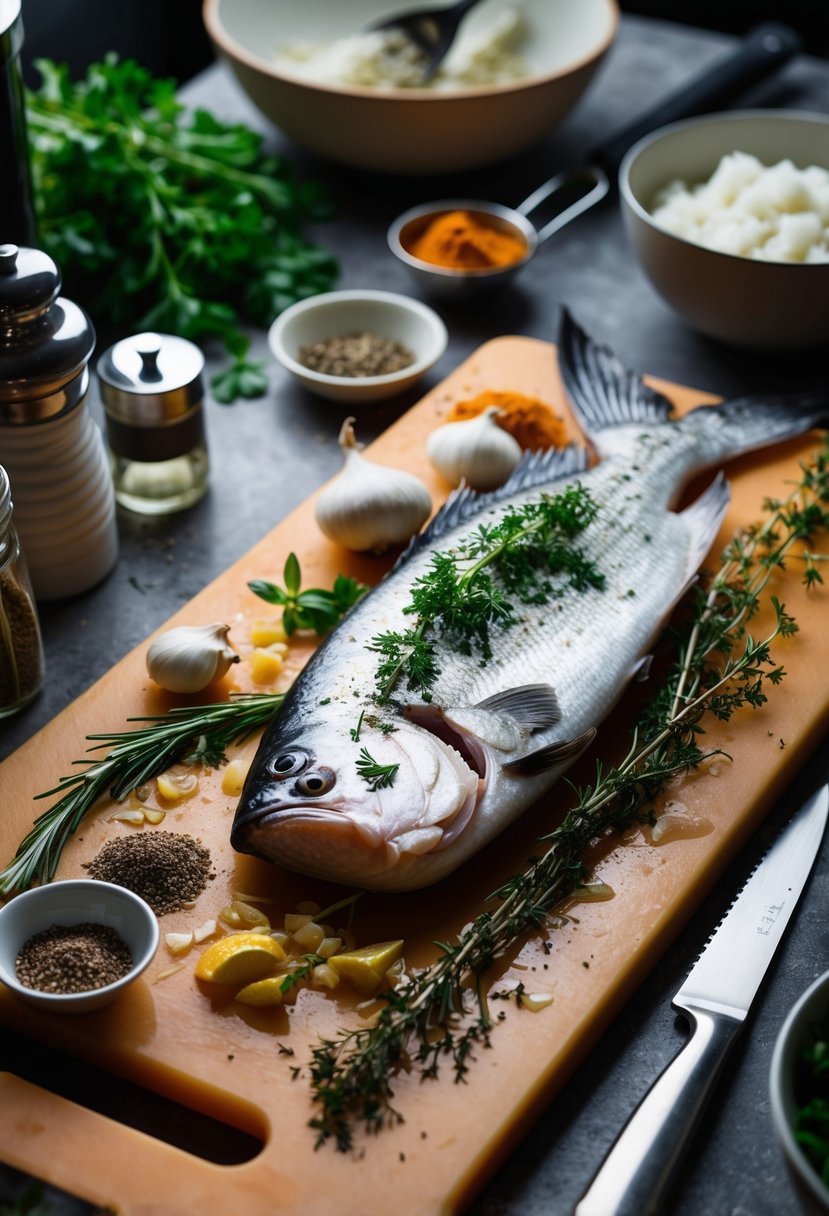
<point x="378" y="776"/>
<point x="524" y="550"/>
<point x="442" y="1011"/>
<point x="198" y="734"/>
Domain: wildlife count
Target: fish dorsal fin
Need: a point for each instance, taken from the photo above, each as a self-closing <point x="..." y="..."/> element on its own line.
<point x="551" y="756"/>
<point x="532" y="706"/>
<point x="533" y="469"/>
<point x="602" y="391"/>
<point x="704" y="518"/>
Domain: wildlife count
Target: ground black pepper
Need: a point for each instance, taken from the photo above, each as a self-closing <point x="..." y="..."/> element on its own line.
<point x="363" y="354"/>
<point x="166" y="869"/>
<point x="73" y="958"/>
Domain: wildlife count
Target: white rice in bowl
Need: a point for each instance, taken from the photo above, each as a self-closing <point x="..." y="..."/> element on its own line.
<point x="775" y="213"/>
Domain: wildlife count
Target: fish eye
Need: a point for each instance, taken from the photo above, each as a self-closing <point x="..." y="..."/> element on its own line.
<point x="288" y="764"/>
<point x="320" y="781"/>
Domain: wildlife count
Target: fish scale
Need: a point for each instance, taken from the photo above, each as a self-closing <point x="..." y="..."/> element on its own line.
<point x="438" y="779"/>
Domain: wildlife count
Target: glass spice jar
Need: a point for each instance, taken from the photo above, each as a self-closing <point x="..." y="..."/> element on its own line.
<point x="152" y="393"/>
<point x="21" y="649"/>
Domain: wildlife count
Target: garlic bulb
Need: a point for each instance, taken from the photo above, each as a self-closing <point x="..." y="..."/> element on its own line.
<point x="370" y="506"/>
<point x="186" y="659"/>
<point x="476" y="451"/>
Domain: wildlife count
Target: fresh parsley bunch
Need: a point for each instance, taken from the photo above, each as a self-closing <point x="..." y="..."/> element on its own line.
<point x="162" y="218"/>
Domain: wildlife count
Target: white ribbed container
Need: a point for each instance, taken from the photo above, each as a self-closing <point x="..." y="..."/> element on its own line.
<point x="64" y="505"/>
<point x="51" y="448"/>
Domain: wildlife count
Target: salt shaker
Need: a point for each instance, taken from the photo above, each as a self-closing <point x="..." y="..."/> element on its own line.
<point x="152" y="391"/>
<point x="21" y="650"/>
<point x="50" y="446"/>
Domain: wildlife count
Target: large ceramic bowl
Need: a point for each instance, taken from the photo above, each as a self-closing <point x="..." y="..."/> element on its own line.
<point x="412" y="130"/>
<point x="744" y="302"/>
<point x="808" y="1016"/>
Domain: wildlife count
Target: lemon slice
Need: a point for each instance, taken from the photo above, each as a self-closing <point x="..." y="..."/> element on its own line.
<point x="263" y="992"/>
<point x="239" y="959"/>
<point x="365" y="969"/>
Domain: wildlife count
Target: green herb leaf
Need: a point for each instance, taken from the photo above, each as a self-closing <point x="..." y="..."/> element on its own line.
<point x="315" y="609"/>
<point x="168" y="219"/>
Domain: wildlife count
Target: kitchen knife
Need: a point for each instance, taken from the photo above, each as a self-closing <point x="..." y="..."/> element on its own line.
<point x="715" y="998"/>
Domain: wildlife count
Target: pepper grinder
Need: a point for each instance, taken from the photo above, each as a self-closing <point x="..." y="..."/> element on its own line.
<point x="51" y="448"/>
<point x="152" y="391"/>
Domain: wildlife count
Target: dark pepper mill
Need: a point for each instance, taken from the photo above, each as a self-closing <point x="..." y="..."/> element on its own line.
<point x="17" y="222"/>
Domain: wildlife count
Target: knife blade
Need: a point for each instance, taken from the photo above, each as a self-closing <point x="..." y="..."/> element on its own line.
<point x="715" y="999"/>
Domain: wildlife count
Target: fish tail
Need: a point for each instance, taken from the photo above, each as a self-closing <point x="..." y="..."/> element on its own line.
<point x="605" y="394"/>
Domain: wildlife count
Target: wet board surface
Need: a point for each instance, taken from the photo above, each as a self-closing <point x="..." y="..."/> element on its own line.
<point x="216" y="1056"/>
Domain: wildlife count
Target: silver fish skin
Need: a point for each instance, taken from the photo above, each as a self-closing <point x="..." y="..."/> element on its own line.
<point x="497" y="735"/>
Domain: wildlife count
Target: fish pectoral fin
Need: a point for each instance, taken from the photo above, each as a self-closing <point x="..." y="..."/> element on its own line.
<point x="532" y="706"/>
<point x="550" y="756"/>
<point x="417" y="841"/>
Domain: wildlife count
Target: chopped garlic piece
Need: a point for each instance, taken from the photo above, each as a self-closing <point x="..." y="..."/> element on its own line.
<point x="153" y="815"/>
<point x="206" y="930"/>
<point x="168" y="971"/>
<point x="265" y="666"/>
<point x="135" y="816"/>
<point x="267" y="631"/>
<point x="309" y="936"/>
<point x="176" y="784"/>
<point x="178" y="943"/>
<point x="536" y="1000"/>
<point x="329" y="946"/>
<point x="233" y="778"/>
<point x="324" y="976"/>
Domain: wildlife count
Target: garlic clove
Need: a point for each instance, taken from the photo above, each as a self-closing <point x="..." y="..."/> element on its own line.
<point x="188" y="658"/>
<point x="370" y="506"/>
<point x="475" y="450"/>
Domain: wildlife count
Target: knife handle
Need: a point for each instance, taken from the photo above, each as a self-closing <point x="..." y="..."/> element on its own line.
<point x="763" y="50"/>
<point x="635" y="1175"/>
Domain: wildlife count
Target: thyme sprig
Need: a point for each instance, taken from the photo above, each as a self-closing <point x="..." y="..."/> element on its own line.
<point x="442" y="1012"/>
<point x="479" y="583"/>
<point x="197" y="734"/>
<point x="378" y="776"/>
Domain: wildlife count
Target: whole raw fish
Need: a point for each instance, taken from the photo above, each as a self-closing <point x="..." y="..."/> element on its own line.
<point x="497" y="734"/>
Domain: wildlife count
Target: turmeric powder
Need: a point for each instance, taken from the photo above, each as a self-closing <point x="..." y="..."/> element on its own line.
<point x="532" y="423"/>
<point x="458" y="240"/>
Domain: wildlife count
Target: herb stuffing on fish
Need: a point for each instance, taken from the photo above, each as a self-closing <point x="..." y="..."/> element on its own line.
<point x="456" y="693"/>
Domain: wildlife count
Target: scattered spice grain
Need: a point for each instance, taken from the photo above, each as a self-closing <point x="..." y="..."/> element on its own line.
<point x="73" y="958"/>
<point x="165" y="868"/>
<point x="356" y="354"/>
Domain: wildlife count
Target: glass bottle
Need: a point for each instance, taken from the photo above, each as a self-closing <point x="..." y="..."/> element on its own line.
<point x="21" y="649"/>
<point x="152" y="392"/>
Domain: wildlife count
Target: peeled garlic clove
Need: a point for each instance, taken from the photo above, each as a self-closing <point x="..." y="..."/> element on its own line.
<point x="186" y="659"/>
<point x="476" y="451"/>
<point x="370" y="506"/>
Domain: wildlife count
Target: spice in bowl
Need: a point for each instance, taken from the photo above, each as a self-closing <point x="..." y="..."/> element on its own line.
<point x="459" y="240"/>
<point x="531" y="422"/>
<point x="356" y="354"/>
<point x="73" y="958"/>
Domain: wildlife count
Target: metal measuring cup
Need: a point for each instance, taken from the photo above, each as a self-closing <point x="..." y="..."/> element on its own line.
<point x="761" y="52"/>
<point x="590" y="184"/>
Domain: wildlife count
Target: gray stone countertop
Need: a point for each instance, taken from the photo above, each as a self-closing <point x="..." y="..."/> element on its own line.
<point x="269" y="453"/>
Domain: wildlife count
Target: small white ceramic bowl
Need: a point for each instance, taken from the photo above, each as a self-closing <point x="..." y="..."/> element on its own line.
<point x="415" y="325"/>
<point x="741" y="301"/>
<point x="412" y="131"/>
<point x="75" y="901"/>
<point x="797" y="1033"/>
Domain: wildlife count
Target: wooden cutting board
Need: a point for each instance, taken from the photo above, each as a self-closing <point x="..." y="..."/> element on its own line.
<point x="218" y="1057"/>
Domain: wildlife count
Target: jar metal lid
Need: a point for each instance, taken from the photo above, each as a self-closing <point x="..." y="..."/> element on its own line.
<point x="151" y="379"/>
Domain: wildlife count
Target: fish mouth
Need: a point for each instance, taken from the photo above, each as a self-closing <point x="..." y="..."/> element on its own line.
<point x="302" y="838"/>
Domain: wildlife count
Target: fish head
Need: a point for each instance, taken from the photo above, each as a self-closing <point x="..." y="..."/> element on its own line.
<point x="323" y="803"/>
